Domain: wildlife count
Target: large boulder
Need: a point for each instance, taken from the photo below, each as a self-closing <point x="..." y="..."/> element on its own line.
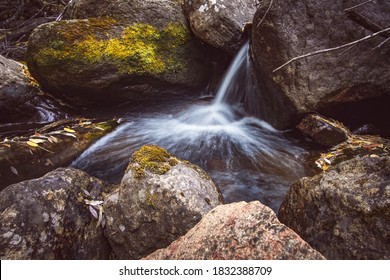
<point x="132" y="49"/>
<point x="160" y="198"/>
<point x="16" y="89"/>
<point x="220" y="23"/>
<point x="344" y="212"/>
<point x="49" y="218"/>
<point x="239" y="231"/>
<point x="294" y="28"/>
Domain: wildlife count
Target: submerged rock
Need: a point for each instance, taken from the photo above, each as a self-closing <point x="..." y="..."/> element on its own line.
<point x="160" y="198"/>
<point x="220" y="23"/>
<point x="324" y="131"/>
<point x="294" y="28"/>
<point x="130" y="50"/>
<point x="344" y="212"/>
<point x="50" y="147"/>
<point x="239" y="231"/>
<point x="48" y="218"/>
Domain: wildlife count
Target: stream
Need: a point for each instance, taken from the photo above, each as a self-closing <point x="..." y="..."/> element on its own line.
<point x="246" y="157"/>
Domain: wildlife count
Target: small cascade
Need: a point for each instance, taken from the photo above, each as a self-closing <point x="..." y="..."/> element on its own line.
<point x="246" y="157"/>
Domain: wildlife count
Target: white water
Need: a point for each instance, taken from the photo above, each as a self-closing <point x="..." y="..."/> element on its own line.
<point x="246" y="157"/>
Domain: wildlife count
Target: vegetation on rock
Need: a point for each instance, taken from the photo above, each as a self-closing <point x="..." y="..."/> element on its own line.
<point x="153" y="159"/>
<point x="140" y="48"/>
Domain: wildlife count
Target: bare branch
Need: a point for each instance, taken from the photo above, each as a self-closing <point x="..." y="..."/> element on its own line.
<point x="381" y="44"/>
<point x="358" y="5"/>
<point x="332" y="49"/>
<point x="266" y="12"/>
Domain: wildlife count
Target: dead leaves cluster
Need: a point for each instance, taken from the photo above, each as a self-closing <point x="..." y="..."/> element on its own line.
<point x="52" y="133"/>
<point x="355" y="145"/>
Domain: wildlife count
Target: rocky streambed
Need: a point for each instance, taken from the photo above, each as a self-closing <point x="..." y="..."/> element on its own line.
<point x="112" y="145"/>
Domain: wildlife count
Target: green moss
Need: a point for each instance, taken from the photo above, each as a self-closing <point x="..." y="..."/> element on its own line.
<point x="141" y="48"/>
<point x="152" y="159"/>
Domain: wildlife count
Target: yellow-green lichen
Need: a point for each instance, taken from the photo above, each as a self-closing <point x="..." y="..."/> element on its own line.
<point x="153" y="159"/>
<point x="150" y="198"/>
<point x="140" y="48"/>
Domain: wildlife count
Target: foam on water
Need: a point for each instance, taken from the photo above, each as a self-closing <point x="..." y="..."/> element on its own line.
<point x="244" y="155"/>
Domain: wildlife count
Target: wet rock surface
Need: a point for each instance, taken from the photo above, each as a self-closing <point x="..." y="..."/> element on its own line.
<point x="344" y="212"/>
<point x="220" y="23"/>
<point x="50" y="147"/>
<point x="47" y="218"/>
<point x="16" y="89"/>
<point x="294" y="28"/>
<point x="238" y="231"/>
<point x="324" y="131"/>
<point x="160" y="198"/>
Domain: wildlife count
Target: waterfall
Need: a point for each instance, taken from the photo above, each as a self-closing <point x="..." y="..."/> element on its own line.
<point x="235" y="81"/>
<point x="246" y="156"/>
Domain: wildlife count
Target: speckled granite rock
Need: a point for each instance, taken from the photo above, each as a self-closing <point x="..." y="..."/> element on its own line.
<point x="239" y="231"/>
<point x="292" y="28"/>
<point x="160" y="198"/>
<point x="219" y="23"/>
<point x="344" y="213"/>
<point x="47" y="218"/>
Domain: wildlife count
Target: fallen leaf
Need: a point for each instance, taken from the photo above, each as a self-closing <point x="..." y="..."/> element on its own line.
<point x="32" y="144"/>
<point x="69" y="134"/>
<point x="36" y="140"/>
<point x="93" y="202"/>
<point x="49" y="162"/>
<point x="68" y="129"/>
<point x="93" y="212"/>
<point x="13" y="169"/>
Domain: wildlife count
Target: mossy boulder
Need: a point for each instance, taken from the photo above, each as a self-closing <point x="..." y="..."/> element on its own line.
<point x="109" y="54"/>
<point x="160" y="198"/>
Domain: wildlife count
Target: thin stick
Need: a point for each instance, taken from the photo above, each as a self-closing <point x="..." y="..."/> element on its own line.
<point x="381" y="44"/>
<point x="358" y="5"/>
<point x="266" y="12"/>
<point x="332" y="49"/>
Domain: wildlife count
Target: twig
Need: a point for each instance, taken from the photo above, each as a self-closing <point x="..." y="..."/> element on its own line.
<point x="381" y="44"/>
<point x="332" y="49"/>
<point x="266" y="12"/>
<point x="358" y="5"/>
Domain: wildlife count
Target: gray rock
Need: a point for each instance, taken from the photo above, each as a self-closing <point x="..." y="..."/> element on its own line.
<point x="220" y="23"/>
<point x="324" y="131"/>
<point x="127" y="50"/>
<point x="239" y="231"/>
<point x="344" y="212"/>
<point x="47" y="218"/>
<point x="294" y="28"/>
<point x="16" y="88"/>
<point x="160" y="198"/>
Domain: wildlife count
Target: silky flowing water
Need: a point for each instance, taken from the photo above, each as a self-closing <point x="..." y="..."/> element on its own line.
<point x="246" y="157"/>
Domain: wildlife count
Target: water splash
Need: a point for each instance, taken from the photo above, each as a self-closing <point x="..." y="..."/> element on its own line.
<point x="246" y="156"/>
